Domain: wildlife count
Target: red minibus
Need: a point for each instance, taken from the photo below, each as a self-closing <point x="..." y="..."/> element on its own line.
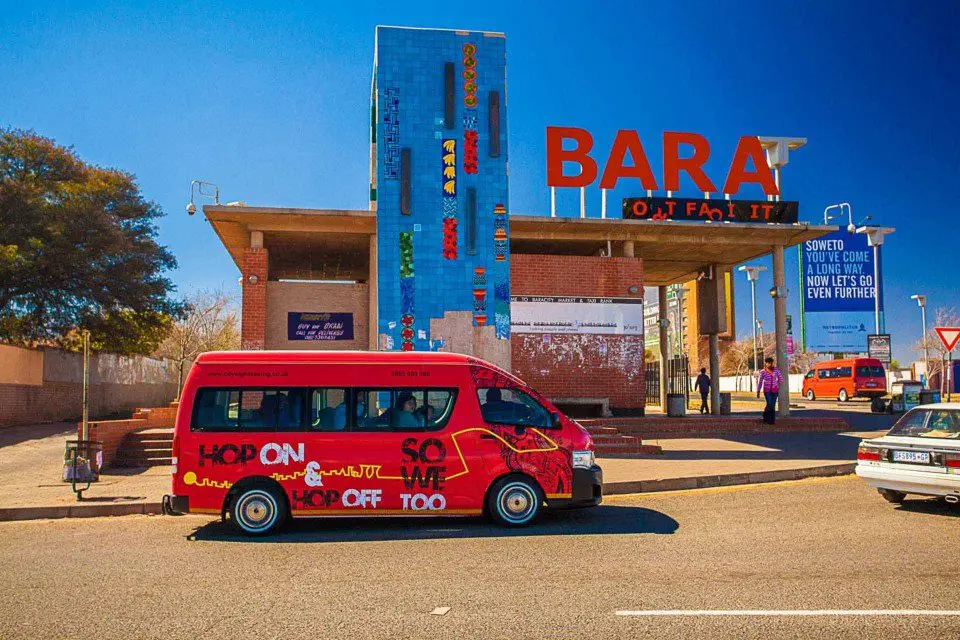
<point x="845" y="379"/>
<point x="262" y="436"/>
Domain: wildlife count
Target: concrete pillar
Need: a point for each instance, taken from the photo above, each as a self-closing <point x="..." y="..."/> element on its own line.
<point x="664" y="346"/>
<point x="780" y="317"/>
<point x="373" y="319"/>
<point x="628" y="249"/>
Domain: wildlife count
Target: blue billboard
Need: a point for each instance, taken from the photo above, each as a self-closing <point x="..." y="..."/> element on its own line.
<point x="839" y="292"/>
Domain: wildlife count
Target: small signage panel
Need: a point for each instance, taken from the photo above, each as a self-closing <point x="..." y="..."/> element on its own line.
<point x="714" y="209"/>
<point x="579" y="315"/>
<point x="316" y="325"/>
<point x="878" y="346"/>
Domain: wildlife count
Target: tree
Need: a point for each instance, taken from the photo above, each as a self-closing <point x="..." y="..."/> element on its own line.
<point x="78" y="251"/>
<point x="210" y="323"/>
<point x="942" y="317"/>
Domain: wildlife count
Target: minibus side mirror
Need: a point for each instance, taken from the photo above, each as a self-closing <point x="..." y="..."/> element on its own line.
<point x="555" y="420"/>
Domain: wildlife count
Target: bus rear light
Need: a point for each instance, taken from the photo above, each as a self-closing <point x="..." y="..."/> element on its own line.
<point x="952" y="461"/>
<point x="175" y="455"/>
<point x="868" y="453"/>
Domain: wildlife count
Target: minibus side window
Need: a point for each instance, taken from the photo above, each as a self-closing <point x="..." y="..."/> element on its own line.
<point x="329" y="410"/>
<point x="403" y="409"/>
<point x="844" y="372"/>
<point x="248" y="410"/>
<point x="513" y="407"/>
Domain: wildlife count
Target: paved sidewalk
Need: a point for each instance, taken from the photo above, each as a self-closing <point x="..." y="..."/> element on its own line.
<point x="31" y="461"/>
<point x="688" y="463"/>
<point x="31" y="469"/>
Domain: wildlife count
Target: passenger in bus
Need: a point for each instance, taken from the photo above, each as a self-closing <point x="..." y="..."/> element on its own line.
<point x="426" y="415"/>
<point x="340" y="412"/>
<point x="403" y="411"/>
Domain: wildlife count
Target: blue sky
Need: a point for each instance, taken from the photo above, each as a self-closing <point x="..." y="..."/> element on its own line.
<point x="270" y="101"/>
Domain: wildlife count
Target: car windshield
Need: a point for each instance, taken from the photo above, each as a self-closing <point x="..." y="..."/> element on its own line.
<point x="928" y="423"/>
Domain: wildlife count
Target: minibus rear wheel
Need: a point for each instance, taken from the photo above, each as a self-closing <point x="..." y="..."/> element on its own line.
<point x="514" y="501"/>
<point x="258" y="509"/>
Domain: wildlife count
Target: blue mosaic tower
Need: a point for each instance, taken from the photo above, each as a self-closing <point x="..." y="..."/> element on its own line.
<point x="439" y="186"/>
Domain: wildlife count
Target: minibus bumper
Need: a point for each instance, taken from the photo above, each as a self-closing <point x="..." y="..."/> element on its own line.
<point x="175" y="505"/>
<point x="587" y="489"/>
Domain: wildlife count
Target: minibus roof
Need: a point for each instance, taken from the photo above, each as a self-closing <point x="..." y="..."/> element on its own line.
<point x="345" y="357"/>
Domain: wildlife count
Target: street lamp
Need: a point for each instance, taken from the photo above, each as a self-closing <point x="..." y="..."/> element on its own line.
<point x="753" y="273"/>
<point x="875" y="237"/>
<point x="922" y="303"/>
<point x="778" y="150"/>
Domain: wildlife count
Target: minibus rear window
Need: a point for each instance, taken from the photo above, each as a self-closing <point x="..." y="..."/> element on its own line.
<point x="868" y="371"/>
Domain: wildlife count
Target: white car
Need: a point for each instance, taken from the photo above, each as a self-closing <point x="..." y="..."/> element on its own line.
<point x="920" y="454"/>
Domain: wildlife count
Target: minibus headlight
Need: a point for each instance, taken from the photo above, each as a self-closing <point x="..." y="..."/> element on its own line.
<point x="582" y="459"/>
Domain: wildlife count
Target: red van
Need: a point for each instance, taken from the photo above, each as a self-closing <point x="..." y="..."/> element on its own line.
<point x="264" y="435"/>
<point x="845" y="379"/>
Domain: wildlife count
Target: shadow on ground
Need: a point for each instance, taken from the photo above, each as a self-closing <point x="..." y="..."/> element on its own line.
<point x="10" y="436"/>
<point x="933" y="506"/>
<point x="839" y="447"/>
<point x="603" y="520"/>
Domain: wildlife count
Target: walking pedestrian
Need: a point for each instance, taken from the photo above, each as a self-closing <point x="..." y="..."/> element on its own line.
<point x="769" y="383"/>
<point x="703" y="386"/>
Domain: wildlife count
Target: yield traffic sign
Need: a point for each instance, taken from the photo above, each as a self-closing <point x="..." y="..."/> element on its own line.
<point x="949" y="336"/>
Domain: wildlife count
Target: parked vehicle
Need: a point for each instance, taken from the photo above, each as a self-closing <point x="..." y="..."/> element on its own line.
<point x="904" y="395"/>
<point x="261" y="436"/>
<point x="845" y="379"/>
<point x="920" y="454"/>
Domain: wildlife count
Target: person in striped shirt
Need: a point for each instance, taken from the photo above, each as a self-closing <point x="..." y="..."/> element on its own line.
<point x="769" y="382"/>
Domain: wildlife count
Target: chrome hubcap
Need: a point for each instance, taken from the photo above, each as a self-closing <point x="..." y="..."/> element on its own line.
<point x="256" y="511"/>
<point x="517" y="502"/>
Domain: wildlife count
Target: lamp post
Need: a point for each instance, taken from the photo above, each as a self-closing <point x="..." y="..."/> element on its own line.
<point x="875" y="237"/>
<point x="922" y="303"/>
<point x="753" y="274"/>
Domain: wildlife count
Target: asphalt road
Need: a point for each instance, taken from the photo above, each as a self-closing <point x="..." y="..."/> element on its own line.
<point x="810" y="545"/>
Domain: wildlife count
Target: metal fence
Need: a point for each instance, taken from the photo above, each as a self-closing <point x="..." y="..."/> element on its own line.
<point x="678" y="378"/>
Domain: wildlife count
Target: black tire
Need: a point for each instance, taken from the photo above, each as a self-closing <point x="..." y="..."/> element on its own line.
<point x="811" y="396"/>
<point x="843" y="396"/>
<point x="896" y="497"/>
<point x="258" y="510"/>
<point x="515" y="501"/>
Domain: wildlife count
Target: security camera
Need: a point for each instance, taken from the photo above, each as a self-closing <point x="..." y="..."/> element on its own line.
<point x="191" y="208"/>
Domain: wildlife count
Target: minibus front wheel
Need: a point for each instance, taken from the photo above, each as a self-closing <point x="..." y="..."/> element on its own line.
<point x="515" y="501"/>
<point x="258" y="508"/>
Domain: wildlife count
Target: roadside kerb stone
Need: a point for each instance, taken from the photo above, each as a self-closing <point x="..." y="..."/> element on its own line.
<point x="78" y="511"/>
<point x="725" y="480"/>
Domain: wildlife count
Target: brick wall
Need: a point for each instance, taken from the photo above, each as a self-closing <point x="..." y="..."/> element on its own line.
<point x="283" y="297"/>
<point x="254" y="314"/>
<point x="111" y="434"/>
<point x="117" y="384"/>
<point x="580" y="366"/>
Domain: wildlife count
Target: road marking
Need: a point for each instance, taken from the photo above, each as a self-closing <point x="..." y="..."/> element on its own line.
<point x="440" y="611"/>
<point x="726" y="488"/>
<point x="790" y="612"/>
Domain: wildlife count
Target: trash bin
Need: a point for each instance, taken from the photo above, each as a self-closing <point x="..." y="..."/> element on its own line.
<point x="676" y="405"/>
<point x="82" y="460"/>
<point x="725" y="403"/>
<point x="929" y="396"/>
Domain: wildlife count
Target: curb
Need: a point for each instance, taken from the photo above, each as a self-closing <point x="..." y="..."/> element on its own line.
<point x="78" y="511"/>
<point x="725" y="480"/>
<point x="10" y="514"/>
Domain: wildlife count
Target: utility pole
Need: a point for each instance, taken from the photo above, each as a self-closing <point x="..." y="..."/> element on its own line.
<point x="753" y="274"/>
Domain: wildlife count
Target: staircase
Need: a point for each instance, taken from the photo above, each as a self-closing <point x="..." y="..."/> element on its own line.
<point x="147" y="448"/>
<point x="610" y="443"/>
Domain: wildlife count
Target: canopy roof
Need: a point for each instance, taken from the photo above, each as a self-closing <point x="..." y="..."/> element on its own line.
<point x="332" y="243"/>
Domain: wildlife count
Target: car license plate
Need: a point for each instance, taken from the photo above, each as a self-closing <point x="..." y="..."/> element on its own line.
<point x="921" y="457"/>
<point x="871" y="384"/>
